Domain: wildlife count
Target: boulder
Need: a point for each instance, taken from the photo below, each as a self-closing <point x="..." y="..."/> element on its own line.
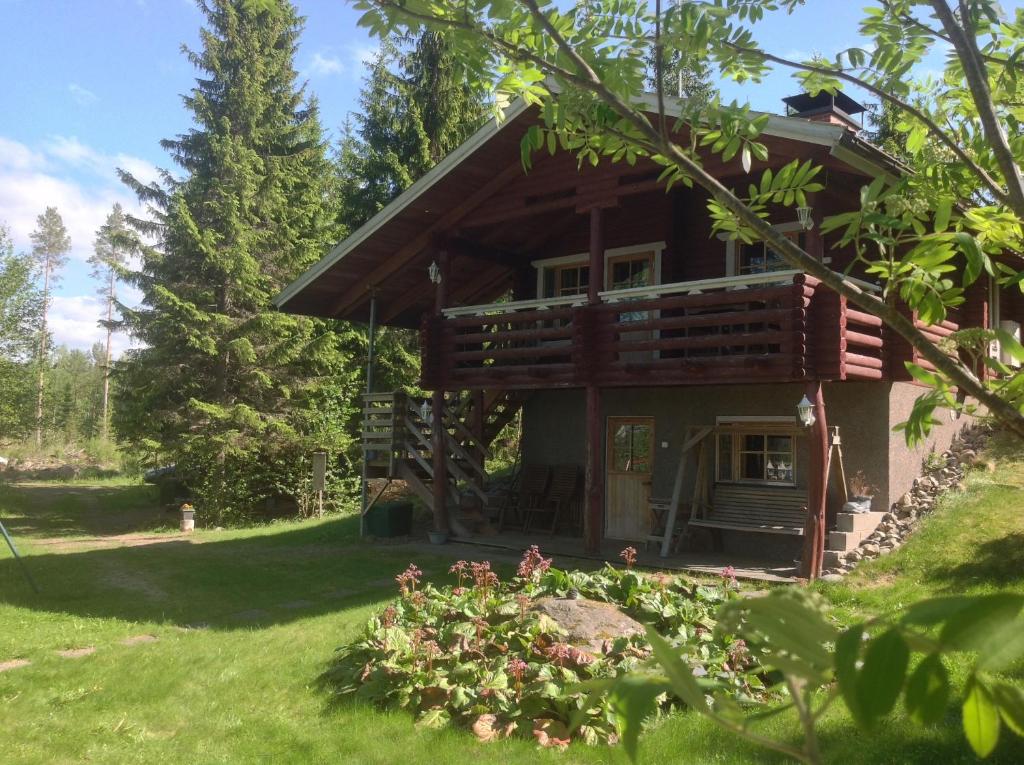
<point x="588" y="623"/>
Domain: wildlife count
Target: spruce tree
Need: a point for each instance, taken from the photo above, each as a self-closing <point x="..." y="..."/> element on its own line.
<point x="234" y="392"/>
<point x="50" y="246"/>
<point x="415" y="109"/>
<point x="109" y="257"/>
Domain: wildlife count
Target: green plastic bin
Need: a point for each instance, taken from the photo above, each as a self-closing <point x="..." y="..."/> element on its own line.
<point x="390" y="519"/>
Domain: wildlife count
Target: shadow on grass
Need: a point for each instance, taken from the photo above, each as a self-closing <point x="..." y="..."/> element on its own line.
<point x="236" y="583"/>
<point x="997" y="562"/>
<point x="63" y="510"/>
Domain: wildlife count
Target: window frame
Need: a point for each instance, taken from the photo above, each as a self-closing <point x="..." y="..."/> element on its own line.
<point x="735" y="430"/>
<point x="583" y="259"/>
<point x="732" y="249"/>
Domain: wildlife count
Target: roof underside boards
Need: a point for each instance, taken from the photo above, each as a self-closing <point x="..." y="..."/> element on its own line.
<point x="481" y="195"/>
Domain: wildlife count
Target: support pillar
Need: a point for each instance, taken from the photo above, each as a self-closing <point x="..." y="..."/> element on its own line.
<point x="593" y="519"/>
<point x="817" y="486"/>
<point x="371" y="333"/>
<point x="437" y="429"/>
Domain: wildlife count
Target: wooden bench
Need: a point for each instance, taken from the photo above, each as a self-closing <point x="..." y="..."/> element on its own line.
<point x="757" y="508"/>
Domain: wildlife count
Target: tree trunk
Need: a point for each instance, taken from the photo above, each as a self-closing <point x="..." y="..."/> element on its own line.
<point x="105" y="429"/>
<point x="42" y="357"/>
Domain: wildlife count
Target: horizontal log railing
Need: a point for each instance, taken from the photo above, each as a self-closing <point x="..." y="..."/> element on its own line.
<point x="777" y="327"/>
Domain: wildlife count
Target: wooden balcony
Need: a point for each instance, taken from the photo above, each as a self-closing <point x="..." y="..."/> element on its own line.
<point x="778" y="327"/>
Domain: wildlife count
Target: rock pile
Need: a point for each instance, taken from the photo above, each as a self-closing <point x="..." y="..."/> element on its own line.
<point x="943" y="473"/>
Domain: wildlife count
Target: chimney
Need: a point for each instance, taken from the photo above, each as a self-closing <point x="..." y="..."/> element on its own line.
<point x="838" y="109"/>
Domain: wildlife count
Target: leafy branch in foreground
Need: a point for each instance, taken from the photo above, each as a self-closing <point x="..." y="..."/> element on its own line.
<point x="868" y="667"/>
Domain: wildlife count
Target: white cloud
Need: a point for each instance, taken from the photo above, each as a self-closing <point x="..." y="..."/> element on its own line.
<point x="351" y="60"/>
<point x="82" y="96"/>
<point x="74" y="322"/>
<point x="325" y="64"/>
<point x="33" y="179"/>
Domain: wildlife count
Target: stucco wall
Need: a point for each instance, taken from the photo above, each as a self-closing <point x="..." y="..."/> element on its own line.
<point x="905" y="463"/>
<point x="555" y="427"/>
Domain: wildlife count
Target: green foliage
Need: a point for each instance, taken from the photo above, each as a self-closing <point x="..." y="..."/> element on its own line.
<point x="414" y="109"/>
<point x="871" y="666"/>
<point x="21" y="310"/>
<point x="235" y="393"/>
<point x="480" y="656"/>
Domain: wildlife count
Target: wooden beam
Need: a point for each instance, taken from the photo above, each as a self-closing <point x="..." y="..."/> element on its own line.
<point x="438" y="447"/>
<point x="593" y="520"/>
<point x="359" y="291"/>
<point x="817" y="486"/>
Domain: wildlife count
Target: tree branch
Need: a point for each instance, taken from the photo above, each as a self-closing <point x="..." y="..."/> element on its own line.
<point x="976" y="74"/>
<point x="993" y="186"/>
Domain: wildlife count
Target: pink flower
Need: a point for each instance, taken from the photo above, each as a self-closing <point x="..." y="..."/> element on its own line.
<point x="728" y="575"/>
<point x="389" y="617"/>
<point x="532" y="563"/>
<point x="629" y="556"/>
<point x="409" y="578"/>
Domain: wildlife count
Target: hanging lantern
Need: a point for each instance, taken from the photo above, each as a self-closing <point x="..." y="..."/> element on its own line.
<point x="805" y="412"/>
<point x="435" y="272"/>
<point x="803" y="214"/>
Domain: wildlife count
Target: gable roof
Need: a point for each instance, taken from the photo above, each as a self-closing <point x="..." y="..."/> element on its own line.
<point x="339" y="285"/>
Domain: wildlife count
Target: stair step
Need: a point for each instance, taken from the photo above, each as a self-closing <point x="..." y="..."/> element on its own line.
<point x="844" y="541"/>
<point x="864" y="522"/>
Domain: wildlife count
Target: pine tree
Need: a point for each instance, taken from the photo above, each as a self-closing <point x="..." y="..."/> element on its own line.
<point x="109" y="257"/>
<point x="415" y="109"/>
<point x="235" y="393"/>
<point x="50" y="246"/>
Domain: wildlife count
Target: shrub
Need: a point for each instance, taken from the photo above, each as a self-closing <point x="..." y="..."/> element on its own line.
<point x="478" y="655"/>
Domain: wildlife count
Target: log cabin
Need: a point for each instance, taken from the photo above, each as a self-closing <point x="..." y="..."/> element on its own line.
<point x="662" y="364"/>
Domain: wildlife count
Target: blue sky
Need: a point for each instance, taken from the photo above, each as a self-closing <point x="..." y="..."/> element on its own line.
<point x="91" y="85"/>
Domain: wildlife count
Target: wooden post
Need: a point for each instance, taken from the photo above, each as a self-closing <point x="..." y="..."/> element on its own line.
<point x="437" y="430"/>
<point x="593" y="524"/>
<point x="817" y="475"/>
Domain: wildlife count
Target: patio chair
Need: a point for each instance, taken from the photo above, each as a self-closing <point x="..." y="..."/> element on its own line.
<point x="564" y="479"/>
<point x="528" y="490"/>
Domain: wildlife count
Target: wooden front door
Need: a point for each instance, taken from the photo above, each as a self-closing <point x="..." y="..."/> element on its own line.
<point x="629" y="466"/>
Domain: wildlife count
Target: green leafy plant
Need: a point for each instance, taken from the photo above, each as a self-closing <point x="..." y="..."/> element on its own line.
<point x="479" y="655"/>
<point x="869" y="667"/>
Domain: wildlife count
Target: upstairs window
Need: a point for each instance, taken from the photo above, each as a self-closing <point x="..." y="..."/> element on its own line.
<point x="760" y="258"/>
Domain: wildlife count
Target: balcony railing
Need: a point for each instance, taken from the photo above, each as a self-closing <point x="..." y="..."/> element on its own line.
<point x="777" y="327"/>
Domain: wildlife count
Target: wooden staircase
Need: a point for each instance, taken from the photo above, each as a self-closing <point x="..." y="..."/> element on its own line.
<point x="397" y="439"/>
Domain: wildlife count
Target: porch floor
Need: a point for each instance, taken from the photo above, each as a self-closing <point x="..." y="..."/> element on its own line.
<point x="566" y="548"/>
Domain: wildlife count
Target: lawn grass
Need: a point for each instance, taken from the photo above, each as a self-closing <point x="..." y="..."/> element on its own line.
<point x="247" y="619"/>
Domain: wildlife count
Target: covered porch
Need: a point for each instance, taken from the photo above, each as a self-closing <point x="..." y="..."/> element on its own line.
<point x="562" y="547"/>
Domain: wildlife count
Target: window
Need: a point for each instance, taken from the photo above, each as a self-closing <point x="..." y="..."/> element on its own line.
<point x="760" y="456"/>
<point x="571" y="279"/>
<point x="760" y="258"/>
<point x="625" y="267"/>
<point x="631" y="446"/>
<point x="631" y="271"/>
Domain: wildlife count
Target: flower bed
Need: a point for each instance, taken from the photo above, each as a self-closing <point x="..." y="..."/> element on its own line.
<point x="480" y="654"/>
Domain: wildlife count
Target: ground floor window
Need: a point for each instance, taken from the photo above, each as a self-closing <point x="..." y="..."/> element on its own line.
<point x="760" y="456"/>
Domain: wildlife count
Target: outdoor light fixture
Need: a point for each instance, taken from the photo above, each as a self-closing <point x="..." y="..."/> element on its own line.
<point x="805" y="412"/>
<point x="803" y="214"/>
<point x="435" y="272"/>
